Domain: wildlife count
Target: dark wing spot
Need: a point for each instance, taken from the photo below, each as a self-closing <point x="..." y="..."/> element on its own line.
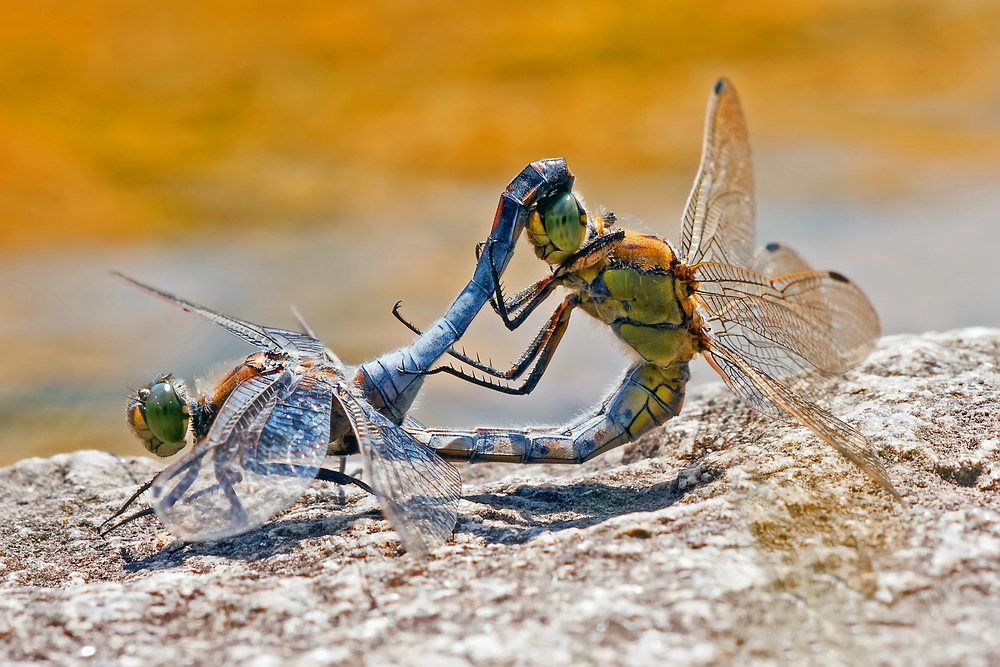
<point x="839" y="276"/>
<point x="773" y="247"/>
<point x="718" y="85"/>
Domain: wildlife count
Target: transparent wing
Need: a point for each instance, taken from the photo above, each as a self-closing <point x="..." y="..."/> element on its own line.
<point x="417" y="489"/>
<point x="265" y="338"/>
<point x="798" y="328"/>
<point x="718" y="220"/>
<point x="412" y="423"/>
<point x="263" y="449"/>
<point x="329" y="354"/>
<point x="768" y="395"/>
<point x="776" y="259"/>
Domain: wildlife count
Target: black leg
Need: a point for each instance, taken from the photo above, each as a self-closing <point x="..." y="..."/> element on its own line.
<point x="511" y="374"/>
<point x="129" y="519"/>
<point x="524" y="303"/>
<point x="338" y="477"/>
<point x="323" y="474"/>
<point x="121" y="510"/>
<point x="540" y="352"/>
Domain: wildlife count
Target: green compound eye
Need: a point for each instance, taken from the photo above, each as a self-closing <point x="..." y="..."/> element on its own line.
<point x="166" y="413"/>
<point x="565" y="222"/>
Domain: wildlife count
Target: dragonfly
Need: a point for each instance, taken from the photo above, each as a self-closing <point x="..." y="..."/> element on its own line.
<point x="261" y="433"/>
<point x="776" y="330"/>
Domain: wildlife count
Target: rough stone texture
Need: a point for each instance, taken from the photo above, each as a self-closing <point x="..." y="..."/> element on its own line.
<point x="722" y="539"/>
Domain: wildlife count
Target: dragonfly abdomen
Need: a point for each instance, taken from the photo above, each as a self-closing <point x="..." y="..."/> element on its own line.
<point x="649" y="396"/>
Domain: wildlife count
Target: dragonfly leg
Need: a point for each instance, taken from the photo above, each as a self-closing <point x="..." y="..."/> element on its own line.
<point x="323" y="475"/>
<point x="191" y="466"/>
<point x="537" y="356"/>
<point x="461" y="356"/>
<point x="392" y="391"/>
<point x="121" y="510"/>
<point x="647" y="397"/>
<point x="149" y="511"/>
<point x="342" y="478"/>
<point x="522" y="304"/>
<point x="341" y="468"/>
<point x="539" y="351"/>
<point x="525" y="302"/>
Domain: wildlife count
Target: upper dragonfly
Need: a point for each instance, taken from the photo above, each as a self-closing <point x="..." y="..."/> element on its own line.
<point x="776" y="330"/>
<point x="261" y="434"/>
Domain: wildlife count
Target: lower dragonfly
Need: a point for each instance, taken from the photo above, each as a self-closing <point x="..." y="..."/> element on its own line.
<point x="776" y="330"/>
<point x="261" y="434"/>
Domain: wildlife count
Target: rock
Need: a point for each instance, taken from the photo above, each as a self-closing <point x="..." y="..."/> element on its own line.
<point x="722" y="538"/>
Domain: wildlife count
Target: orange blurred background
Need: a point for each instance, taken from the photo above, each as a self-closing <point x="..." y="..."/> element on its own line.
<point x="341" y="156"/>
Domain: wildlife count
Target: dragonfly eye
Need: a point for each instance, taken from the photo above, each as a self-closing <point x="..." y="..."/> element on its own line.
<point x="159" y="416"/>
<point x="565" y="222"/>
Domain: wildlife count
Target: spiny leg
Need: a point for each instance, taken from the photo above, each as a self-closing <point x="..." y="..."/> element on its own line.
<point x="522" y="305"/>
<point x="149" y="511"/>
<point x="540" y="352"/>
<point x="526" y="301"/>
<point x="541" y="341"/>
<point x="323" y="474"/>
<point x="121" y="510"/>
<point x="385" y="380"/>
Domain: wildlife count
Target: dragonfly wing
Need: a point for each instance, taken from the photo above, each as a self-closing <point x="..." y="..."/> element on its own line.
<point x="771" y="397"/>
<point x="264" y="448"/>
<point x="412" y="424"/>
<point x="719" y="216"/>
<point x="417" y="489"/>
<point x="776" y="259"/>
<point x="808" y="324"/>
<point x="265" y="338"/>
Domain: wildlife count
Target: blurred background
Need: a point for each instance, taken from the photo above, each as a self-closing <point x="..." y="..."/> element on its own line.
<point x="341" y="156"/>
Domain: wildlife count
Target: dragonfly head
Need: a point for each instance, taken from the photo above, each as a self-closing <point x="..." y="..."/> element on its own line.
<point x="557" y="227"/>
<point x="159" y="415"/>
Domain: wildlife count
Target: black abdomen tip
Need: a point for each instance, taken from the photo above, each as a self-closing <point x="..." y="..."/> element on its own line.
<point x="773" y="247"/>
<point x="718" y="85"/>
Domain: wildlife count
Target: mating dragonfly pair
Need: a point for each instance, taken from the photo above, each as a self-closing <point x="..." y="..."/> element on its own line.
<point x="776" y="330"/>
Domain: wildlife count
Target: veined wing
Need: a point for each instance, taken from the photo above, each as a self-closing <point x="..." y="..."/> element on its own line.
<point x="718" y="220"/>
<point x="765" y="393"/>
<point x="416" y="488"/>
<point x="265" y="338"/>
<point x="264" y="448"/>
<point x="329" y="354"/>
<point x="797" y="327"/>
<point x="776" y="259"/>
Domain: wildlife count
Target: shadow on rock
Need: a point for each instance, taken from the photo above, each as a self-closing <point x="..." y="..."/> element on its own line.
<point x="508" y="518"/>
<point x="261" y="543"/>
<point x="531" y="510"/>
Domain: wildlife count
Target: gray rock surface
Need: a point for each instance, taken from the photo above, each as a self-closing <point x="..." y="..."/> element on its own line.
<point x="723" y="538"/>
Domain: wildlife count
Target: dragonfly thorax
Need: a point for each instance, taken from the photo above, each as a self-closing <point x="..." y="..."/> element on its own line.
<point x="638" y="290"/>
